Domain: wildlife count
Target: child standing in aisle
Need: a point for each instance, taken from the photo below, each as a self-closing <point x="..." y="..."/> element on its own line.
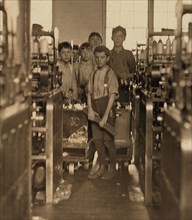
<point x="69" y="84"/>
<point x="122" y="62"/>
<point x="102" y="93"/>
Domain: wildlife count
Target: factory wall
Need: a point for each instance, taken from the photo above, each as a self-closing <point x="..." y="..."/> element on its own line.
<point x="77" y="18"/>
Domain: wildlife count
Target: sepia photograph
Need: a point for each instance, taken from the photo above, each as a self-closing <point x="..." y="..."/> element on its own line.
<point x="95" y="109"/>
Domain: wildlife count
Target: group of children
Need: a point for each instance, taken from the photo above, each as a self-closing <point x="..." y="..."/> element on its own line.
<point x="76" y="65"/>
<point x="98" y="77"/>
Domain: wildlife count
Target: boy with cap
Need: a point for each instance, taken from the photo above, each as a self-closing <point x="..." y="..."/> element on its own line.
<point x="102" y="93"/>
<point x="95" y="39"/>
<point x="69" y="85"/>
<point x="122" y="62"/>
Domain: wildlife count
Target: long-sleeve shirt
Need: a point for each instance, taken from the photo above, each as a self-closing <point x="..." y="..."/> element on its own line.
<point x="68" y="78"/>
<point x="122" y="63"/>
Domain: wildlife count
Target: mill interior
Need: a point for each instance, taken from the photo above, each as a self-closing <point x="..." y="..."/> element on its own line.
<point x="51" y="164"/>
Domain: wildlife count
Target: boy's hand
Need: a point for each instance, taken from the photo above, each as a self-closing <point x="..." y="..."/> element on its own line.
<point x="92" y="114"/>
<point x="103" y="121"/>
<point x="123" y="76"/>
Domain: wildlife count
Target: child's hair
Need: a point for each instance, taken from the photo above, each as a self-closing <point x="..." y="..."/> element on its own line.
<point x="65" y="45"/>
<point x="75" y="47"/>
<point x="119" y="28"/>
<point x="95" y="34"/>
<point x="102" y="48"/>
<point x="85" y="45"/>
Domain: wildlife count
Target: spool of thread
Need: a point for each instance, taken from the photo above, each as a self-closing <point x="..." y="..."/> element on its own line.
<point x="35" y="46"/>
<point x="56" y="35"/>
<point x="72" y="44"/>
<point x="160" y="47"/>
<point x="189" y="46"/>
<point x="142" y="54"/>
<point x="183" y="44"/>
<point x="189" y="43"/>
<point x="154" y="47"/>
<point x="44" y="47"/>
<point x="145" y="54"/>
<point x="168" y="46"/>
<point x="174" y="46"/>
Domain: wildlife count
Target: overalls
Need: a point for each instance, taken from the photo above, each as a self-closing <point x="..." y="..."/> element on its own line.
<point x="101" y="137"/>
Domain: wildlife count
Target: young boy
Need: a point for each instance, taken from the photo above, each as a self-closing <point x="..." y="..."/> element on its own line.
<point x="75" y="53"/>
<point x="102" y="92"/>
<point x="95" y="39"/>
<point x="69" y="85"/>
<point x="122" y="62"/>
<point x="83" y="70"/>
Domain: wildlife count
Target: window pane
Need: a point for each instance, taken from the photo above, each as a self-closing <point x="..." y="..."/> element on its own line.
<point x="127" y="18"/>
<point x="45" y="18"/>
<point x="140" y="5"/>
<point x="140" y="19"/>
<point x="130" y="14"/>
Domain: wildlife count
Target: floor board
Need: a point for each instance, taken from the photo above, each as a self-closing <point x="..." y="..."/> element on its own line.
<point x="119" y="199"/>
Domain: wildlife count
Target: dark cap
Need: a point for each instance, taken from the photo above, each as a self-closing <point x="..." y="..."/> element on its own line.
<point x="75" y="47"/>
<point x="119" y="28"/>
<point x="102" y="48"/>
<point x="65" y="45"/>
<point x="85" y="45"/>
<point x="95" y="34"/>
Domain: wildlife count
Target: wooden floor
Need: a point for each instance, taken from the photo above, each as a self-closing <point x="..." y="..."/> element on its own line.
<point x="119" y="199"/>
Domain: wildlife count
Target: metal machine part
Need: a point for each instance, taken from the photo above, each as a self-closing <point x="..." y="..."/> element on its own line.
<point x="75" y="139"/>
<point x="15" y="165"/>
<point x="14" y="59"/>
<point x="47" y="102"/>
<point x="177" y="125"/>
<point x="161" y="118"/>
<point x="47" y="135"/>
<point x="45" y="73"/>
<point x="15" y="144"/>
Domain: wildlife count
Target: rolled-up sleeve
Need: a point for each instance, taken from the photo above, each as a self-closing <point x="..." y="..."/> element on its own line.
<point x="113" y="84"/>
<point x="89" y="85"/>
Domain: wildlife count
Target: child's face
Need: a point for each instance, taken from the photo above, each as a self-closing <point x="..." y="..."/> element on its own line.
<point x="95" y="41"/>
<point x="66" y="54"/>
<point x="86" y="54"/>
<point x="75" y="55"/>
<point x="101" y="59"/>
<point x="118" y="38"/>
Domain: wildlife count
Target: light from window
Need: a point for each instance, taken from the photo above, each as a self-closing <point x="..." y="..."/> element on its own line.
<point x="41" y="13"/>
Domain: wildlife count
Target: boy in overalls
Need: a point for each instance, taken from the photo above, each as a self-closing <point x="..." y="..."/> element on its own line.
<point x="102" y="93"/>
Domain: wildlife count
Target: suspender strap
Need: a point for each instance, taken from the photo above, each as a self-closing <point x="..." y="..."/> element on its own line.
<point x="106" y="80"/>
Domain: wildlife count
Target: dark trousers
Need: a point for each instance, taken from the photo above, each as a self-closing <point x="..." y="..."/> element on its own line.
<point x="92" y="148"/>
<point x="123" y="94"/>
<point x="102" y="138"/>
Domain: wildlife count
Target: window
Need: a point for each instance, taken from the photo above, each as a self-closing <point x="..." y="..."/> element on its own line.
<point x="164" y="16"/>
<point x="132" y="15"/>
<point x="41" y="13"/>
